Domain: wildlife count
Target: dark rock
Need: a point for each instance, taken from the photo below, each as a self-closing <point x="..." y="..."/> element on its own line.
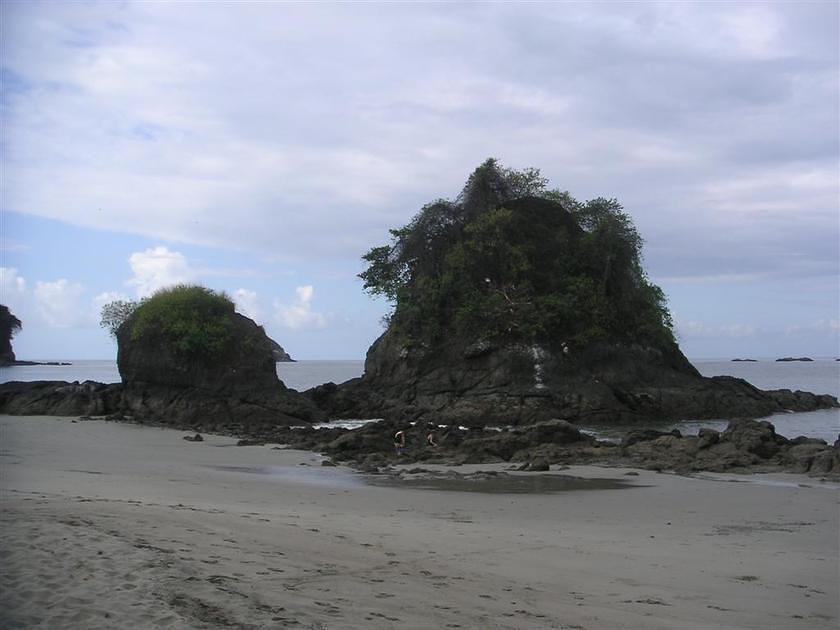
<point x="800" y="457"/>
<point x="806" y="440"/>
<point x="641" y="435"/>
<point x="798" y="400"/>
<point x="13" y="363"/>
<point x="795" y="359"/>
<point x="59" y="398"/>
<point x="328" y="462"/>
<point x="250" y="442"/>
<point x="827" y="461"/>
<point x="539" y="465"/>
<point x="279" y="354"/>
<point x="753" y="436"/>
<point x="707" y="437"/>
<point x="194" y="438"/>
<point x="238" y="387"/>
<point x="746" y="360"/>
<point x="478" y="384"/>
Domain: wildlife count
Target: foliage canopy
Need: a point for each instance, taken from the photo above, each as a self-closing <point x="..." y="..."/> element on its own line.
<point x="194" y="321"/>
<point x="511" y="260"/>
<point x="9" y="324"/>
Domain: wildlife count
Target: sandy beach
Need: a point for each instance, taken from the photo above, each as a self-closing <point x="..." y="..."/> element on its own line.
<point x="110" y="525"/>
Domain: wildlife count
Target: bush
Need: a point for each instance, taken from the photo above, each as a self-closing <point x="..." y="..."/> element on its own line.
<point x="194" y="321"/>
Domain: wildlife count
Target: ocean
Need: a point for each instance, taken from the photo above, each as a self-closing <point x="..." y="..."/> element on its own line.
<point x="820" y="376"/>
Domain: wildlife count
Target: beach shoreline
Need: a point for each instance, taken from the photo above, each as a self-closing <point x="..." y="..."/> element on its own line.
<point x="108" y="525"/>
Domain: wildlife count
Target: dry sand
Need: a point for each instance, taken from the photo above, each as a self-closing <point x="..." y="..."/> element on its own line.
<point x="119" y="526"/>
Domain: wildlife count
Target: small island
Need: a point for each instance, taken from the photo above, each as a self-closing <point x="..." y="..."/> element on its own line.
<point x="745" y="360"/>
<point x="9" y="326"/>
<point x="515" y="303"/>
<point x="787" y="359"/>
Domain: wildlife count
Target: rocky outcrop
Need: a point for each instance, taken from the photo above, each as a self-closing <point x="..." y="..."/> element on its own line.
<point x="280" y="355"/>
<point x="481" y="384"/>
<point x="745" y="446"/>
<point x="7" y="355"/>
<point x="795" y="359"/>
<point x="59" y="398"/>
<point x="245" y="365"/>
<point x="237" y="387"/>
<point x="234" y="392"/>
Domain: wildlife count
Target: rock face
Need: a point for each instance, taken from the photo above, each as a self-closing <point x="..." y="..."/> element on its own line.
<point x="280" y="355"/>
<point x="247" y="365"/>
<point x="485" y="385"/>
<point x="239" y="386"/>
<point x="7" y="355"/>
<point x="59" y="398"/>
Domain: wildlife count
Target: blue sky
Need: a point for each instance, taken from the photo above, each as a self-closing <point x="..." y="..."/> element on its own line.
<point x="262" y="148"/>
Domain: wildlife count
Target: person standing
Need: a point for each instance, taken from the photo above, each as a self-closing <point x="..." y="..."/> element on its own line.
<point x="399" y="442"/>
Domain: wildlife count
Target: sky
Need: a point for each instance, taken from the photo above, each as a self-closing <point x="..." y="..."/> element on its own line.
<point x="262" y="148"/>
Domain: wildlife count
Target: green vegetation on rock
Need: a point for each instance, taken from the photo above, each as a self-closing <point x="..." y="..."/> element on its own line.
<point x="510" y="260"/>
<point x="195" y="322"/>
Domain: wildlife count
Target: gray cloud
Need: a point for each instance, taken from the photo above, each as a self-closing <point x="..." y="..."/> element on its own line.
<point x="313" y="128"/>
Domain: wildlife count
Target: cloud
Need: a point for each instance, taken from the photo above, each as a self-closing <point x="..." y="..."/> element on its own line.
<point x="11" y="283"/>
<point x="59" y="303"/>
<point x="157" y="268"/>
<point x="104" y="298"/>
<point x="721" y="115"/>
<point x="248" y="303"/>
<point x="300" y="315"/>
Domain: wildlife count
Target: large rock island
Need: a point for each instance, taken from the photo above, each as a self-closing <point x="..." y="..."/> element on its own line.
<point x="515" y="304"/>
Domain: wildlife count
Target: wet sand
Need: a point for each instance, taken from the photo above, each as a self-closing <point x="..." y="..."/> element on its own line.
<point x="115" y="526"/>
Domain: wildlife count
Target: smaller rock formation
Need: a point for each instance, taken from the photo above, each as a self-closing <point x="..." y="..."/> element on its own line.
<point x="9" y="325"/>
<point x="187" y="360"/>
<point x="745" y="446"/>
<point x="795" y="359"/>
<point x="220" y="370"/>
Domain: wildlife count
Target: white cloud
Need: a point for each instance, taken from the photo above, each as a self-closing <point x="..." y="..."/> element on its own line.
<point x="11" y="284"/>
<point x="157" y="268"/>
<point x="300" y="314"/>
<point x="105" y="298"/>
<point x="248" y="303"/>
<point x="59" y="303"/>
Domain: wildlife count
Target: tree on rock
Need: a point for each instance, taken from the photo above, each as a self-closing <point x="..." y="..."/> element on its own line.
<point x="510" y="260"/>
<point x="113" y="314"/>
<point x="191" y="336"/>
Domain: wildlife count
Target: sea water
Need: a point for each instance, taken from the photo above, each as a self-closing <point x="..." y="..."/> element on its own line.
<point x="299" y="375"/>
<point x="821" y="376"/>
